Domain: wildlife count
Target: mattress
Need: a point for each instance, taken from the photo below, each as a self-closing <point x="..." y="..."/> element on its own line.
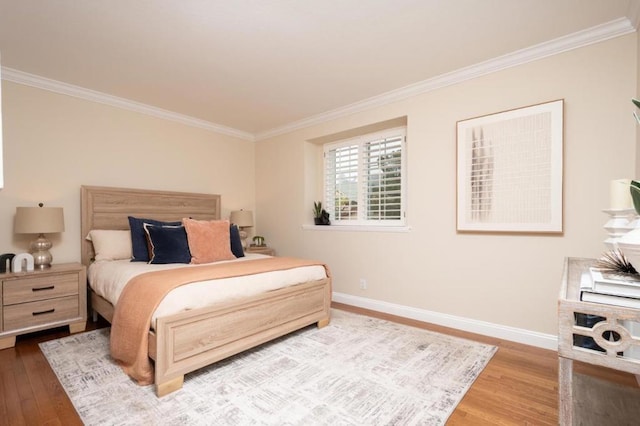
<point x="108" y="278"/>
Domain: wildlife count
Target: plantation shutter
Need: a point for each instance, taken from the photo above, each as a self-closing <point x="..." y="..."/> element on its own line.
<point x="383" y="186"/>
<point x="341" y="182"/>
<point x="364" y="179"/>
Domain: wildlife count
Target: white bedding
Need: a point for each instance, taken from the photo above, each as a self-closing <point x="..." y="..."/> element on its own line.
<point x="108" y="278"/>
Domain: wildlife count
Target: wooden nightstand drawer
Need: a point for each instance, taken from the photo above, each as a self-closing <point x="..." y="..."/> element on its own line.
<point x="41" y="312"/>
<point x="39" y="288"/>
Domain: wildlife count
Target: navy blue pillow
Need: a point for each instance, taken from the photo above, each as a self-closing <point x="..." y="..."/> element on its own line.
<point x="139" y="247"/>
<point x="236" y="242"/>
<point x="168" y="244"/>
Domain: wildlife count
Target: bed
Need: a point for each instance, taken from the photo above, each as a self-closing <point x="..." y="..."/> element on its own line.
<point x="186" y="341"/>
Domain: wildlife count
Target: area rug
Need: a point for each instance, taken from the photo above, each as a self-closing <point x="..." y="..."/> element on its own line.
<point x="358" y="370"/>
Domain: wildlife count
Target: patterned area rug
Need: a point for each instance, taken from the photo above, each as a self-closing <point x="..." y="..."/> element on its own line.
<point x="358" y="370"/>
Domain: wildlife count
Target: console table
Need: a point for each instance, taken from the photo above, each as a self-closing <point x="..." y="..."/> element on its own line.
<point x="615" y="324"/>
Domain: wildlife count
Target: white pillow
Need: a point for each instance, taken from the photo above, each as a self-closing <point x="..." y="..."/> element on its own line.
<point x="110" y="245"/>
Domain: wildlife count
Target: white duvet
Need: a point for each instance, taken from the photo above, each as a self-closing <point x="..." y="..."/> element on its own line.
<point x="109" y="277"/>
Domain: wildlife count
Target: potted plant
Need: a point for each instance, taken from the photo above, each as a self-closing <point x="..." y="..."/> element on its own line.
<point x="320" y="215"/>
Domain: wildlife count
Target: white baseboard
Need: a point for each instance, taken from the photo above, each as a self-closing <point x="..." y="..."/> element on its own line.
<point x="527" y="337"/>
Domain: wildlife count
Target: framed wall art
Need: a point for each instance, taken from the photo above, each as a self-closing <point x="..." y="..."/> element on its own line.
<point x="509" y="170"/>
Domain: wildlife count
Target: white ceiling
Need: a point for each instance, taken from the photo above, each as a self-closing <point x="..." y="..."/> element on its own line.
<point x="255" y="66"/>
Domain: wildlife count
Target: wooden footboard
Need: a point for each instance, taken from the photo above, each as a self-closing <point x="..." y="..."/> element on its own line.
<point x="190" y="340"/>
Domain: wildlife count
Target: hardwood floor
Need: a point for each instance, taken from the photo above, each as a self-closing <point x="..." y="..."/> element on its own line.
<point x="30" y="393"/>
<point x="519" y="386"/>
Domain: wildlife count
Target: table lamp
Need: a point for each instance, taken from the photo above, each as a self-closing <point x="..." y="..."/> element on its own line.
<point x="243" y="219"/>
<point x="39" y="220"/>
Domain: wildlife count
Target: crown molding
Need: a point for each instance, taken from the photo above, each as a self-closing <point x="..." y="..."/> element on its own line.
<point x="576" y="40"/>
<point x="21" y="77"/>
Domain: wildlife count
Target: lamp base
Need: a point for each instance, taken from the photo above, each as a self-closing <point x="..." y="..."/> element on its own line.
<point x="40" y="250"/>
<point x="243" y="238"/>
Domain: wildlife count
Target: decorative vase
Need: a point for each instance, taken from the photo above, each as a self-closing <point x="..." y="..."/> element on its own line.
<point x="620" y="222"/>
<point x="323" y="220"/>
<point x="629" y="245"/>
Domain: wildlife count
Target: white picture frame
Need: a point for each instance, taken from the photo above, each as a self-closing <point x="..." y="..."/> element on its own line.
<point x="510" y="169"/>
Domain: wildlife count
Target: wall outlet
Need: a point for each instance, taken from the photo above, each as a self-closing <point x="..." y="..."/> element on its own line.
<point x="363" y="284"/>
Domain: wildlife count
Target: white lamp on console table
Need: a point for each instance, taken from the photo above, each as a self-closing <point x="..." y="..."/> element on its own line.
<point x="243" y="219"/>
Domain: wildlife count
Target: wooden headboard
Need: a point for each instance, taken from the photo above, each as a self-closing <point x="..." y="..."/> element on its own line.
<point x="108" y="208"/>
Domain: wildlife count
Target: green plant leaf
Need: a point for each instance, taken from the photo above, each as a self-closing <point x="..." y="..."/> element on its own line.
<point x="317" y="209"/>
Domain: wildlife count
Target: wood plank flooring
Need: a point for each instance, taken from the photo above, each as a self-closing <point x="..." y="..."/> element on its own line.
<point x="518" y="387"/>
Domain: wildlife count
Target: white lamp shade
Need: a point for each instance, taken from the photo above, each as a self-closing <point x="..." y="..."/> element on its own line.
<point x="38" y="220"/>
<point x="242" y="218"/>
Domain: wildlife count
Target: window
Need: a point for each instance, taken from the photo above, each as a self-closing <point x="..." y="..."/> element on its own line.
<point x="364" y="179"/>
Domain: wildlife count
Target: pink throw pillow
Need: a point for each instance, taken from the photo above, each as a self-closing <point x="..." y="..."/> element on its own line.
<point x="209" y="240"/>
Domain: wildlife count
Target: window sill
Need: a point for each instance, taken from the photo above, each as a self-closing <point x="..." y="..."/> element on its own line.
<point x="355" y="228"/>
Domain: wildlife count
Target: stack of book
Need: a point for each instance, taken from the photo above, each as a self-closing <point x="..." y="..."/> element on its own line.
<point x="610" y="288"/>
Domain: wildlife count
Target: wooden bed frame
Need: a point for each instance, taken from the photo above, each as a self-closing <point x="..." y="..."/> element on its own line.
<point x="190" y="340"/>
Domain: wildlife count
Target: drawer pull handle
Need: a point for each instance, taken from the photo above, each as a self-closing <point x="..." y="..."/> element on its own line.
<point x="51" y="287"/>
<point x="43" y="312"/>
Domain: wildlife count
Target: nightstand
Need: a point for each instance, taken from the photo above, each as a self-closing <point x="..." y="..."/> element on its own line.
<point x="261" y="250"/>
<point x="42" y="299"/>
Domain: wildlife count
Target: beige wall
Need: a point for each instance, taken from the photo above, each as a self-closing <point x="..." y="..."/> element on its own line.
<point x="510" y="280"/>
<point x="637" y="96"/>
<point x="55" y="143"/>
